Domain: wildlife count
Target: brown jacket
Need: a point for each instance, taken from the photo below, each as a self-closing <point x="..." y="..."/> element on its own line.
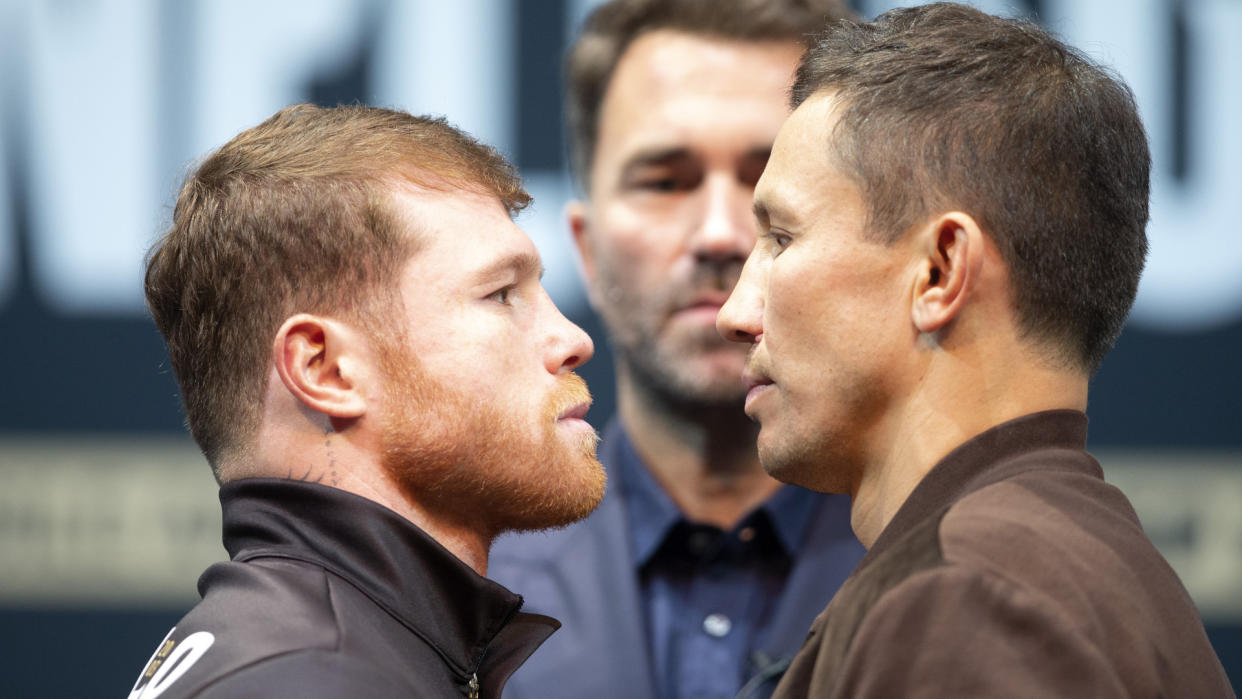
<point x="1012" y="570"/>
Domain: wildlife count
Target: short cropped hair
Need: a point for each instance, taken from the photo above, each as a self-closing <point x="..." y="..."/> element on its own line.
<point x="944" y="106"/>
<point x="613" y="26"/>
<point x="294" y="215"/>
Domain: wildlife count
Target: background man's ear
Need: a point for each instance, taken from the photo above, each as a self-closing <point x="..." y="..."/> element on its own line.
<point x="951" y="249"/>
<point x="321" y="362"/>
<point x="576" y="215"/>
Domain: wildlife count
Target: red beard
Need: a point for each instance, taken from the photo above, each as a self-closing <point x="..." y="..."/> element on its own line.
<point x="470" y="460"/>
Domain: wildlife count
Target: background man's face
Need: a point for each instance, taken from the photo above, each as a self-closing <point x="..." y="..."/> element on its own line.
<point x="684" y="133"/>
<point x="831" y="309"/>
<point x="482" y="411"/>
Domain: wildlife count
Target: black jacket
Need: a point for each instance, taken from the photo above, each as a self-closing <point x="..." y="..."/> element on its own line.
<point x="331" y="595"/>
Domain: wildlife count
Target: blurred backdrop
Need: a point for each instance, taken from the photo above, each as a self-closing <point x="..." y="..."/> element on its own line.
<point x="108" y="512"/>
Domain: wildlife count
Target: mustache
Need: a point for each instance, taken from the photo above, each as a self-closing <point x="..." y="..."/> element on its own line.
<point x="717" y="274"/>
<point x="571" y="391"/>
<point x="710" y="277"/>
<point x="753" y="366"/>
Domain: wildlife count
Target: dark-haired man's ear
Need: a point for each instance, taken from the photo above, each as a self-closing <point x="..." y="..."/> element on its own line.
<point x="320" y="361"/>
<point x="576" y="215"/>
<point x="951" y="250"/>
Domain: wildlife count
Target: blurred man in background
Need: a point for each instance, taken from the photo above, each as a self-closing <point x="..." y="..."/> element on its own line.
<point x="954" y="225"/>
<point x="381" y="385"/>
<point x="699" y="573"/>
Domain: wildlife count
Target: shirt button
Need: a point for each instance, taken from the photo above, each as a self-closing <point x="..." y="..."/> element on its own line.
<point x="717" y="625"/>
<point x="746" y="534"/>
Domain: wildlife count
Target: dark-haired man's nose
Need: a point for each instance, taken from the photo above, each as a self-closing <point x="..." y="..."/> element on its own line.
<point x="741" y="318"/>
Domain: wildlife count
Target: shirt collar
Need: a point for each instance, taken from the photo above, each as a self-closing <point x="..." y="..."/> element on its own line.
<point x="652" y="513"/>
<point x="402" y="569"/>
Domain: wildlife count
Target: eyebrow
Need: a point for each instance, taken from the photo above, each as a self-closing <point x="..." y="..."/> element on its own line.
<point x="761" y="211"/>
<point x="765" y="211"/>
<point x="522" y="264"/>
<point x="655" y="157"/>
<point x="667" y="155"/>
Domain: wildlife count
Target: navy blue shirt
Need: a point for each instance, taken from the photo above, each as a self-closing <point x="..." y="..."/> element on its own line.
<point x="708" y="594"/>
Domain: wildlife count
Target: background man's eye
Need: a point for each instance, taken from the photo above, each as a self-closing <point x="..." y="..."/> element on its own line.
<point x="666" y="184"/>
<point x="673" y="181"/>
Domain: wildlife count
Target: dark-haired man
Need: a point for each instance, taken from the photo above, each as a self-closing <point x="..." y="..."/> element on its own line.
<point x="953" y="230"/>
<point x="381" y="385"/>
<point x="699" y="573"/>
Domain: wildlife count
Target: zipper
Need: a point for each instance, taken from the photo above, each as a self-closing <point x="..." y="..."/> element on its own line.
<point x="473" y="685"/>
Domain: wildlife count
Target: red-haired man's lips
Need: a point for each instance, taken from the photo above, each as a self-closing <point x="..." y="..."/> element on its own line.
<point x="575" y="412"/>
<point x="573" y="419"/>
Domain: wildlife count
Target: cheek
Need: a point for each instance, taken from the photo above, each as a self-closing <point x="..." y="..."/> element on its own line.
<point x="508" y="386"/>
<point x="640" y="236"/>
<point x="618" y="261"/>
<point x="821" y="328"/>
<point x="481" y="350"/>
<point x="639" y="266"/>
<point x="796" y="304"/>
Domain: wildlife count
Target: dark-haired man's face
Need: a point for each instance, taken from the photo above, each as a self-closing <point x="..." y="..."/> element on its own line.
<point x="684" y="133"/>
<point x="825" y="310"/>
<point x="482" y="410"/>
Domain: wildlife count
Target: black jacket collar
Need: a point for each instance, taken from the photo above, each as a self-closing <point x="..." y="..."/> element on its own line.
<point x="393" y="562"/>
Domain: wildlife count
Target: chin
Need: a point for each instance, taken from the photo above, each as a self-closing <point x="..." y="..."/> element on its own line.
<point x="780" y="468"/>
<point x="709" y="385"/>
<point x="802" y="466"/>
<point x="692" y="373"/>
<point x="820" y="477"/>
<point x="553" y="500"/>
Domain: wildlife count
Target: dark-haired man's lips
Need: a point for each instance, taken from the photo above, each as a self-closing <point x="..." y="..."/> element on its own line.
<point x="756" y="386"/>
